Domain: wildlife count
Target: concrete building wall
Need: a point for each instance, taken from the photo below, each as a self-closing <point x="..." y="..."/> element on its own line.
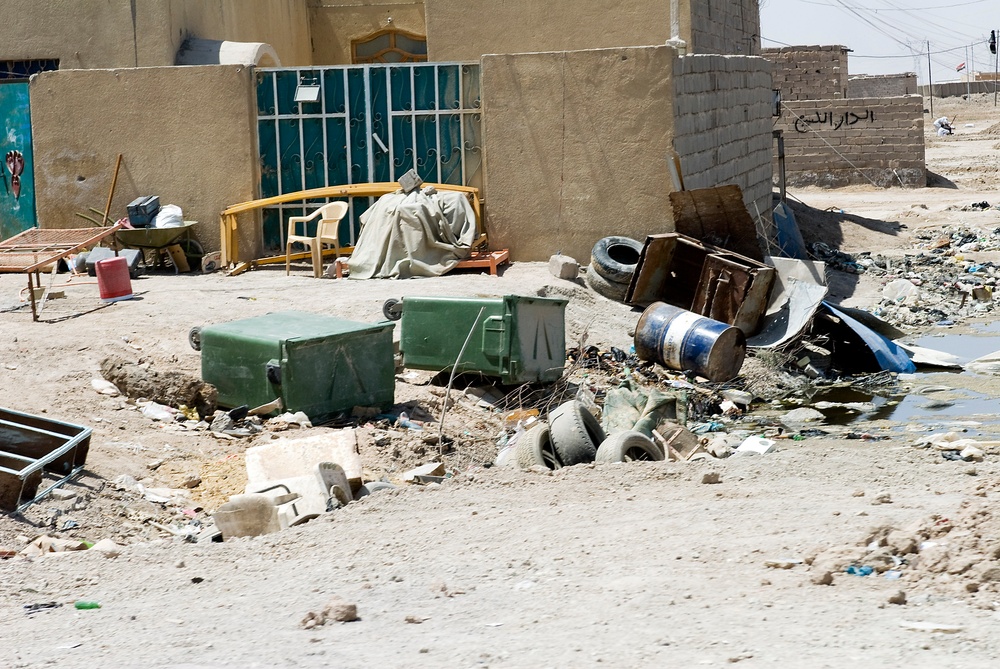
<point x="575" y="146"/>
<point x="809" y="72"/>
<point x="723" y="26"/>
<point x="576" y="143"/>
<point x="834" y="143"/>
<point x="186" y="134"/>
<point x="89" y="34"/>
<point x="335" y="25"/>
<point x="284" y="24"/>
<point x="722" y="126"/>
<point x="882" y="85"/>
<point x="464" y="30"/>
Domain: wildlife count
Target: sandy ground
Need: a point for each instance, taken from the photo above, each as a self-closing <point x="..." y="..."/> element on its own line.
<point x="615" y="565"/>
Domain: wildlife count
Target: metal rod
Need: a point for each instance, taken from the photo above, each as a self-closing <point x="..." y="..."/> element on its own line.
<point x="107" y="209"/>
<point x="930" y="77"/>
<point x="451" y="379"/>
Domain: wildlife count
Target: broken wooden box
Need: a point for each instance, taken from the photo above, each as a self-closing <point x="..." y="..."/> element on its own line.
<point x="701" y="278"/>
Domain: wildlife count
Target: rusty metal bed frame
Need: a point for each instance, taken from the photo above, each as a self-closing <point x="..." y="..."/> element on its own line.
<point x="34" y="249"/>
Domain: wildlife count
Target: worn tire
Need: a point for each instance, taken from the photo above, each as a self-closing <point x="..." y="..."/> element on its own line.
<point x="372" y="487"/>
<point x="601" y="286"/>
<point x="535" y="448"/>
<point x="628" y="447"/>
<point x="615" y="258"/>
<point x="575" y="433"/>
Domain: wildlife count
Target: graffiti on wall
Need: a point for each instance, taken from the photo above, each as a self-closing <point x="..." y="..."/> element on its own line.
<point x="17" y="184"/>
<point x="835" y="121"/>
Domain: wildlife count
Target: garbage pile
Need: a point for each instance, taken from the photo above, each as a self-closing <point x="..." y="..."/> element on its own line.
<point x="942" y="285"/>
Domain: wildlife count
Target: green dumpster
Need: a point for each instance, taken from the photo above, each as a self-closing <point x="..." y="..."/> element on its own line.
<point x="519" y="339"/>
<point x="320" y="365"/>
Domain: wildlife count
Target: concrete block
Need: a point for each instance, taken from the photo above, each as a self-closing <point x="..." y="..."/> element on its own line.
<point x="564" y="267"/>
<point x="430" y="469"/>
<point x="290" y="457"/>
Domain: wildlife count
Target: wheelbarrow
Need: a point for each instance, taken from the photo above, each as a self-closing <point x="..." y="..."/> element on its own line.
<point x="156" y="239"/>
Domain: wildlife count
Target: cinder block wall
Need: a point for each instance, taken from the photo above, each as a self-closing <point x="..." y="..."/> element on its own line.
<point x="186" y="134"/>
<point x="834" y="143"/>
<point x="722" y="125"/>
<point x="882" y="85"/>
<point x="809" y="72"/>
<point x="724" y="26"/>
<point x="958" y="88"/>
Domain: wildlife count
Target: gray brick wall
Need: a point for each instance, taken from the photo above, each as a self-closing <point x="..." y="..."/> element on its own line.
<point x="809" y="72"/>
<point x="882" y="85"/>
<point x="725" y="27"/>
<point x="834" y="143"/>
<point x="722" y="125"/>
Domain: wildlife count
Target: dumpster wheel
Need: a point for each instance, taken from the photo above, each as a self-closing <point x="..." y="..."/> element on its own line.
<point x="392" y="309"/>
<point x="194" y="338"/>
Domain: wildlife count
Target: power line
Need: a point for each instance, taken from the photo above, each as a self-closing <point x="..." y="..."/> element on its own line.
<point x="899" y="9"/>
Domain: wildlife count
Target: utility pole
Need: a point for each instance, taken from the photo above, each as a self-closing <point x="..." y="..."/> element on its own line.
<point x="972" y="65"/>
<point x="993" y="50"/>
<point x="968" y="85"/>
<point x="930" y="77"/>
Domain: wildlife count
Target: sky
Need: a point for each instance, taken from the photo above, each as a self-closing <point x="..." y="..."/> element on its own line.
<point x="890" y="36"/>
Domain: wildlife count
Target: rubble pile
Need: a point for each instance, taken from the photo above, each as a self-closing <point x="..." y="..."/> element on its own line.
<point x="959" y="555"/>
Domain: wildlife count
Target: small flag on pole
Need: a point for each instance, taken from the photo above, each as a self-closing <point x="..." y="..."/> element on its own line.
<point x="961" y="66"/>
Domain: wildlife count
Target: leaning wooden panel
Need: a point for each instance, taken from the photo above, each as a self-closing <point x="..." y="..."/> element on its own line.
<point x="716" y="216"/>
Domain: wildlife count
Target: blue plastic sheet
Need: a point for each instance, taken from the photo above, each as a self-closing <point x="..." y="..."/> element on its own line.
<point x="889" y="355"/>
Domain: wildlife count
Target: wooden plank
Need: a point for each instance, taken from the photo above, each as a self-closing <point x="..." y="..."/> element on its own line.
<point x="490" y="259"/>
<point x="718" y="216"/>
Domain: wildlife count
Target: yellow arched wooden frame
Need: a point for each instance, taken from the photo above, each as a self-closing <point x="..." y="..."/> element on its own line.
<point x="228" y="222"/>
<point x="377" y="57"/>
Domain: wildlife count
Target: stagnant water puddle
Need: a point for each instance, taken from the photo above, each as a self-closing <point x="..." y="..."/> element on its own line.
<point x="941" y="400"/>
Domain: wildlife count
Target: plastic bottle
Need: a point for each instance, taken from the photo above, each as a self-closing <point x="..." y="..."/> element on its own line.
<point x="84" y="604"/>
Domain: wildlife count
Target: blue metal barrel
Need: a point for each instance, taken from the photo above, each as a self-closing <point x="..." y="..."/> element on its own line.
<point x="682" y="340"/>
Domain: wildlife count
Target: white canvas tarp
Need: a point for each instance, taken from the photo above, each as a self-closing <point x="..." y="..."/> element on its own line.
<point x="423" y="233"/>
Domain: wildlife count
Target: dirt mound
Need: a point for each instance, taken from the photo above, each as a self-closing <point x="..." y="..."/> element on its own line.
<point x="957" y="555"/>
<point x="992" y="131"/>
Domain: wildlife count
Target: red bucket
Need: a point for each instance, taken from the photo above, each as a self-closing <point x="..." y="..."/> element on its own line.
<point x="113" y="280"/>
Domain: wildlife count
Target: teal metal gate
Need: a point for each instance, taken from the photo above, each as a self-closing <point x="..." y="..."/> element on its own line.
<point x="17" y="194"/>
<point x="364" y="124"/>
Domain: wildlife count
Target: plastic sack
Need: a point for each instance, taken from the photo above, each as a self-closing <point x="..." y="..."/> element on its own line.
<point x="901" y="291"/>
<point x="639" y="410"/>
<point x="170" y="216"/>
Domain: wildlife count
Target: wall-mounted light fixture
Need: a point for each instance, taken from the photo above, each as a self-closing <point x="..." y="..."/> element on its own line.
<point x="307" y="90"/>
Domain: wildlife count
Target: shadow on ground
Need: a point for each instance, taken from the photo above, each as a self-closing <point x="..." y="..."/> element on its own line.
<point x="827" y="226"/>
<point x="938" y="181"/>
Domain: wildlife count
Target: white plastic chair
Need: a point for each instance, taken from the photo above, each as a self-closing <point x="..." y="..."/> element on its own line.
<point x="327" y="232"/>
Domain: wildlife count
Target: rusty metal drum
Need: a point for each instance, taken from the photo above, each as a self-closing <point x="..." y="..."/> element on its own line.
<point x="685" y="341"/>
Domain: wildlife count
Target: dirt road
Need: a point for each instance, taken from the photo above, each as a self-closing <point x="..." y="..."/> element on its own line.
<point x="615" y="565"/>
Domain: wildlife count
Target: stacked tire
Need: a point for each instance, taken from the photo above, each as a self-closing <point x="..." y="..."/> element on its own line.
<point x="612" y="263"/>
<point x="572" y="436"/>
